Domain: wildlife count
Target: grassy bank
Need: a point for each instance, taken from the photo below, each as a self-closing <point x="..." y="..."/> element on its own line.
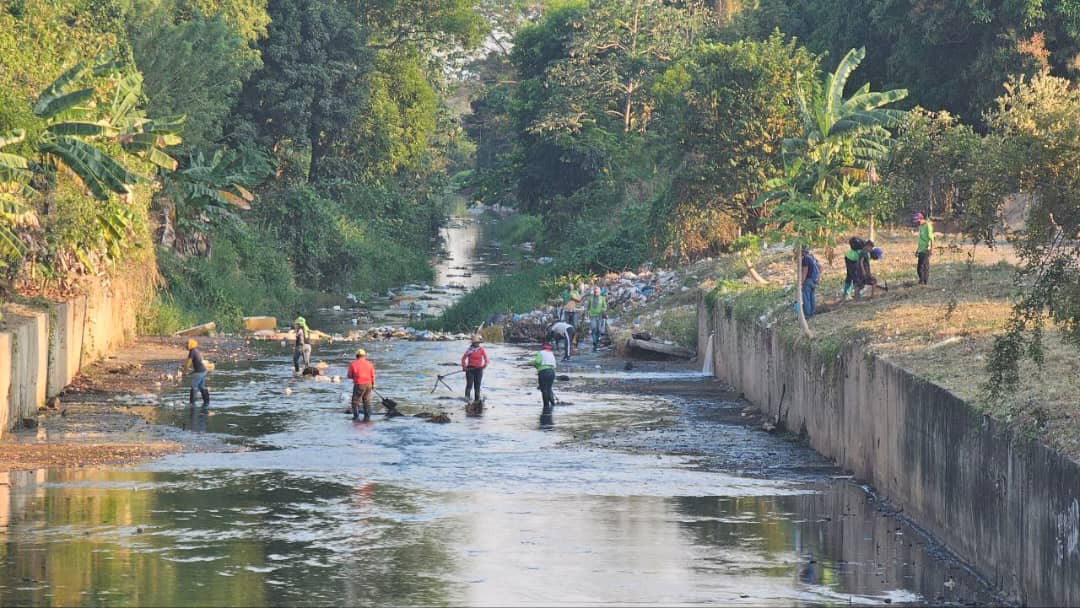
<point x="521" y="291"/>
<point x="943" y="332"/>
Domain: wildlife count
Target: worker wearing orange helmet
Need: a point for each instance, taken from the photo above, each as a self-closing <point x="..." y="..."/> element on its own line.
<point x="198" y="373"/>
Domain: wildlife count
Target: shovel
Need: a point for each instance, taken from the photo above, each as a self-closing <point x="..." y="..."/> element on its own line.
<point x="389" y="404"/>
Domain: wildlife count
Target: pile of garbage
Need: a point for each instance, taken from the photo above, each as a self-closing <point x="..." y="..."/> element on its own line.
<point x="373" y="334"/>
<point x="630" y="289"/>
<point x="624" y="291"/>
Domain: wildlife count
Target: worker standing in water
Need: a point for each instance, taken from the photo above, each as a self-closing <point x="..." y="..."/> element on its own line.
<point x="302" y="348"/>
<point x="198" y="373"/>
<point x="597" y="316"/>
<point x="545" y="365"/>
<point x="362" y="373"/>
<point x="473" y="363"/>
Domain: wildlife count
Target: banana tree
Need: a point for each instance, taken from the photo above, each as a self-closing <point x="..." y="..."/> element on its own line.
<point x="91" y="108"/>
<point x="829" y="164"/>
<point x="16" y="197"/>
<point x="209" y="187"/>
<point x="92" y="127"/>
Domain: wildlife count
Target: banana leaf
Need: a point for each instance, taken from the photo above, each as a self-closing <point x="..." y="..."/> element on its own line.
<point x="56" y="89"/>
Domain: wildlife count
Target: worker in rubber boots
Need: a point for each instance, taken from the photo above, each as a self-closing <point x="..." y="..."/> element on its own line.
<point x="198" y="368"/>
<point x="597" y="316"/>
<point x="545" y="365"/>
<point x="473" y="363"/>
<point x="362" y="373"/>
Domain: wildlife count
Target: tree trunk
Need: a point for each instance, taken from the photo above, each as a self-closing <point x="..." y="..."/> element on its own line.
<point x="873" y="234"/>
<point x="752" y="272"/>
<point x="798" y="290"/>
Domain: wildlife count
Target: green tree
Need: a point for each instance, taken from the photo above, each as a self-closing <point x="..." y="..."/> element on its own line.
<point x="315" y="68"/>
<point x="733" y="106"/>
<point x="826" y="166"/>
<point x="954" y="54"/>
<point x="1035" y="143"/>
<point x="611" y="61"/>
<point x="194" y="68"/>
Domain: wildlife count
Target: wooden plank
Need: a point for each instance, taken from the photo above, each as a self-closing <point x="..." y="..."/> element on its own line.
<point x="647" y="348"/>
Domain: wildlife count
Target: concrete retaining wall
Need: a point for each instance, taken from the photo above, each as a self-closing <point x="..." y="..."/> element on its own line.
<point x="28" y="357"/>
<point x="1007" y="505"/>
<point x="40" y="353"/>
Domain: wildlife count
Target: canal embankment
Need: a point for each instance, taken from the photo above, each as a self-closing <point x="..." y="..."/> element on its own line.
<point x="43" y="345"/>
<point x="1000" y="499"/>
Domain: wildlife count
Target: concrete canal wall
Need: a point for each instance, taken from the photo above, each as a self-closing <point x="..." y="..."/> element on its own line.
<point x="1005" y="504"/>
<point x="40" y="352"/>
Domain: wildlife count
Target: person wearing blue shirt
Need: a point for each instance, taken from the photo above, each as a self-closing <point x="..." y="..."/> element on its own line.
<point x="811" y="270"/>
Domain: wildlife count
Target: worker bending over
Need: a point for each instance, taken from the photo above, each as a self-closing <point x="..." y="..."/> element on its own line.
<point x="562" y="331"/>
<point x="198" y="373"/>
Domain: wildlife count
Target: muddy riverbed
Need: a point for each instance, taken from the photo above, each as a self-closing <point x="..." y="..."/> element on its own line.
<point x="652" y="486"/>
<point x="630" y="497"/>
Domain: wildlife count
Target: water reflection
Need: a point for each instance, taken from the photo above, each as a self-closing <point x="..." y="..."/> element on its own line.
<point x="314" y="510"/>
<point x="223" y="537"/>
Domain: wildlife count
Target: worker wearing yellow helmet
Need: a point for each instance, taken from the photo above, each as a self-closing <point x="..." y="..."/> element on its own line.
<point x="198" y="373"/>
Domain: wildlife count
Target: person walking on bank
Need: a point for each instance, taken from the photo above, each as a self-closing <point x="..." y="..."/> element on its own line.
<point x="302" y="348"/>
<point x="198" y="373"/>
<point x="597" y="316"/>
<point x="810" y="273"/>
<point x="571" y="299"/>
<point x="562" y="331"/>
<point x="926" y="245"/>
<point x="473" y="362"/>
<point x="362" y="373"/>
<point x="545" y="364"/>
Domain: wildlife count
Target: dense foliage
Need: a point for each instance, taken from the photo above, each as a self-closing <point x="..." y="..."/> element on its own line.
<point x="650" y="129"/>
<point x="310" y="149"/>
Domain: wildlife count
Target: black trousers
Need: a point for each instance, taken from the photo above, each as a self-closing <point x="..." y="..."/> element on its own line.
<point x="546" y="378"/>
<point x="569" y="337"/>
<point x="473" y="377"/>
<point x="923" y="267"/>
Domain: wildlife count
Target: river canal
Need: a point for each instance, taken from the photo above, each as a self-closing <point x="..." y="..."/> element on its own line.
<point x="648" y="489"/>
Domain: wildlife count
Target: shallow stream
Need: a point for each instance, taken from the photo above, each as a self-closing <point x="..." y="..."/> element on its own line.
<point x="663" y="495"/>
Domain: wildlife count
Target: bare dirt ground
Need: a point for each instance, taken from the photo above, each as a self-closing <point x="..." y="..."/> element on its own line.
<point x="105" y="416"/>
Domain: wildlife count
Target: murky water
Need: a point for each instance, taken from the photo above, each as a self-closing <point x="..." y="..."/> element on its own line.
<point x="495" y="510"/>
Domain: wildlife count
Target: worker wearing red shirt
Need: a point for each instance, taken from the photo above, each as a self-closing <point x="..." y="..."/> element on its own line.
<point x="473" y="362"/>
<point x="362" y="373"/>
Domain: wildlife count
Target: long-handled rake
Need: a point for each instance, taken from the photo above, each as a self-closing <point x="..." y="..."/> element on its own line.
<point x="439" y="379"/>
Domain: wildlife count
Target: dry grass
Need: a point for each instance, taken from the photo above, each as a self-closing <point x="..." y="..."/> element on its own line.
<point x="945" y="332"/>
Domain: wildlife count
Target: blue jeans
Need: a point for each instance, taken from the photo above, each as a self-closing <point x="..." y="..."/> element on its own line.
<point x="198" y="383"/>
<point x="809" y="306"/>
<point x="596" y="328"/>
